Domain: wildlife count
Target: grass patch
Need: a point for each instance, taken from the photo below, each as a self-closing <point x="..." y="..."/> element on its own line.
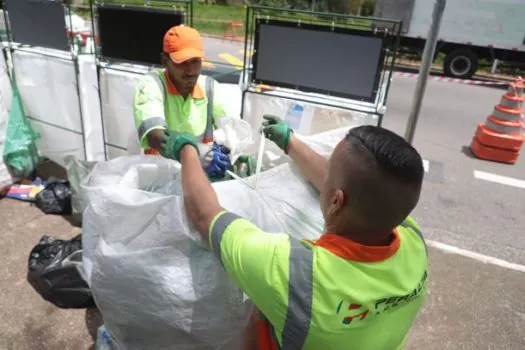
<point x="210" y="19"/>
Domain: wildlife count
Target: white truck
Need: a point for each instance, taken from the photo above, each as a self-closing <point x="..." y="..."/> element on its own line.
<point x="471" y="30"/>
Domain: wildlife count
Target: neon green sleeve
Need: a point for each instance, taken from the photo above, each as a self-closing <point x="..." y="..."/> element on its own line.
<point x="258" y="262"/>
<point x="148" y="108"/>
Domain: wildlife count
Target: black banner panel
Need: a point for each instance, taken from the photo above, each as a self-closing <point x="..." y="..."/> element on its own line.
<point x="37" y="23"/>
<point x="338" y="62"/>
<point x="134" y="34"/>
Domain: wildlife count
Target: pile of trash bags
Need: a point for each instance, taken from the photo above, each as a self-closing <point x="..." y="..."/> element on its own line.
<point x="155" y="283"/>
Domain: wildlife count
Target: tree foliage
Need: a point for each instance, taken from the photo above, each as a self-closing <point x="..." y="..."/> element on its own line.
<point x="364" y="7"/>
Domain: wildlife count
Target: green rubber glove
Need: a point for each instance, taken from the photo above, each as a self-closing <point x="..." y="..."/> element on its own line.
<point x="245" y="166"/>
<point x="174" y="141"/>
<point x="277" y="130"/>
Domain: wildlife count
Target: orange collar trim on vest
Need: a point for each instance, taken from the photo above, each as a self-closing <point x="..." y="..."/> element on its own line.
<point x="347" y="249"/>
<point x="196" y="93"/>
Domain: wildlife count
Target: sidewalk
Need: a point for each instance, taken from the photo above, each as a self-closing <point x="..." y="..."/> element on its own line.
<point x="26" y="320"/>
<point x="470" y="306"/>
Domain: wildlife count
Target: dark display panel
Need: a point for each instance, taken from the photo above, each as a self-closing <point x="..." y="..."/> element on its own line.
<point x="316" y="58"/>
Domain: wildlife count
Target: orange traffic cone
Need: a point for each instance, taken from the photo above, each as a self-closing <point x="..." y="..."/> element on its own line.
<point x="501" y="137"/>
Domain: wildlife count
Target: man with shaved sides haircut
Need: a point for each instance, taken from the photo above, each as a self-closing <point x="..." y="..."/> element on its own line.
<point x="373" y="181"/>
<point x="362" y="283"/>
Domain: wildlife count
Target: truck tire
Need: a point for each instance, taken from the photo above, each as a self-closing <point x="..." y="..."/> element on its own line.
<point x="460" y="63"/>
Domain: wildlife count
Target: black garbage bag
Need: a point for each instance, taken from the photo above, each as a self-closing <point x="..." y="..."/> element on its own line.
<point x="55" y="198"/>
<point x="59" y="283"/>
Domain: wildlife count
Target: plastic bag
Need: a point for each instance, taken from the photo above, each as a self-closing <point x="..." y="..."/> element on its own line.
<point x="77" y="171"/>
<point x="103" y="341"/>
<point x="20" y="151"/>
<point x="234" y="133"/>
<point x="155" y="284"/>
<point x="55" y="198"/>
<point x="52" y="272"/>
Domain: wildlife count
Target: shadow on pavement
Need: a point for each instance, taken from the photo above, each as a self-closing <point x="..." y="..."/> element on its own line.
<point x="466" y="151"/>
<point x="93" y="322"/>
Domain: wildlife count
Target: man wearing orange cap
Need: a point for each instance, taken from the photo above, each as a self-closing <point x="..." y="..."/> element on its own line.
<point x="179" y="100"/>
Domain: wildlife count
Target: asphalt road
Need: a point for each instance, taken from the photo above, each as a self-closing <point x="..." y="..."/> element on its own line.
<point x="457" y="208"/>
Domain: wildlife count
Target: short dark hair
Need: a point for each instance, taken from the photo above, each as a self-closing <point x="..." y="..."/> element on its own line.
<point x="393" y="154"/>
<point x="384" y="193"/>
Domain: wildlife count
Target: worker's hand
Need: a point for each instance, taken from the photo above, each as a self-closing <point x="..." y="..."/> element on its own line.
<point x="173" y="142"/>
<point x="277" y="130"/>
<point x="218" y="161"/>
<point x="245" y="166"/>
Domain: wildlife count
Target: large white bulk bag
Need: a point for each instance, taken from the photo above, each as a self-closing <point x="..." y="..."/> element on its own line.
<point x="155" y="283"/>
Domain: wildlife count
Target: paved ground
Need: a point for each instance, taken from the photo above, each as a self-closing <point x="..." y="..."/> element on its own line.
<point x="456" y="207"/>
<point x="27" y="322"/>
<point x="471" y="306"/>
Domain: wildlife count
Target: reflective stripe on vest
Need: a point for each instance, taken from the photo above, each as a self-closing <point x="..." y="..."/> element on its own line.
<point x="300" y="298"/>
<point x="300" y="295"/>
<point x="207" y="135"/>
<point x="300" y="284"/>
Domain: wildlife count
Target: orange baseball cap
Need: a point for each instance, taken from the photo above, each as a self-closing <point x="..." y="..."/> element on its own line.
<point x="183" y="43"/>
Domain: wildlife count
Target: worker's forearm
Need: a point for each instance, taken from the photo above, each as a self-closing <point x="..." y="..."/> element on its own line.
<point x="313" y="165"/>
<point x="200" y="199"/>
<point x="155" y="138"/>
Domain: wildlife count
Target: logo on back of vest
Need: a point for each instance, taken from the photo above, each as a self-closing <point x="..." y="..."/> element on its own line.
<point x="356" y="313"/>
<point x="357" y="310"/>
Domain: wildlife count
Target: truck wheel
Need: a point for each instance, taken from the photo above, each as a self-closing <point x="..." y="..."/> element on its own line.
<point x="460" y="63"/>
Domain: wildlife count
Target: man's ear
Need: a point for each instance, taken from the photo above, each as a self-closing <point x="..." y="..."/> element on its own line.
<point x="336" y="202"/>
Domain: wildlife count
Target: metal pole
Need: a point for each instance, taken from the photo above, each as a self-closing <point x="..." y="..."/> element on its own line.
<point x="426" y="63"/>
<point x="494" y="66"/>
<point x="76" y="66"/>
<point x="99" y="69"/>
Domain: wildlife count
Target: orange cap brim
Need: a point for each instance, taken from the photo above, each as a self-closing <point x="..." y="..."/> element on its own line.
<point x="186" y="54"/>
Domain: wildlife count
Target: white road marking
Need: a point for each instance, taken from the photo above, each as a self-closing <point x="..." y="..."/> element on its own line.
<point x="509" y="181"/>
<point x="476" y="256"/>
<point x="426" y="165"/>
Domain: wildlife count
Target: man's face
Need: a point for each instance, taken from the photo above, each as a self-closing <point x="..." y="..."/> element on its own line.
<point x="185" y="74"/>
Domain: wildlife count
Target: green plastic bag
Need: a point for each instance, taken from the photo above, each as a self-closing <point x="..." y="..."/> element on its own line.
<point x="20" y="151"/>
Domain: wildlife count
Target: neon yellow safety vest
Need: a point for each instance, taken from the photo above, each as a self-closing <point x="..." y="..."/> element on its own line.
<point x="158" y="105"/>
<point x="331" y="293"/>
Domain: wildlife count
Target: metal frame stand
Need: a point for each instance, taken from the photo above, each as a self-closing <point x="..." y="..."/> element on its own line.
<point x="12" y="47"/>
<point x="184" y="6"/>
<point x="391" y="29"/>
